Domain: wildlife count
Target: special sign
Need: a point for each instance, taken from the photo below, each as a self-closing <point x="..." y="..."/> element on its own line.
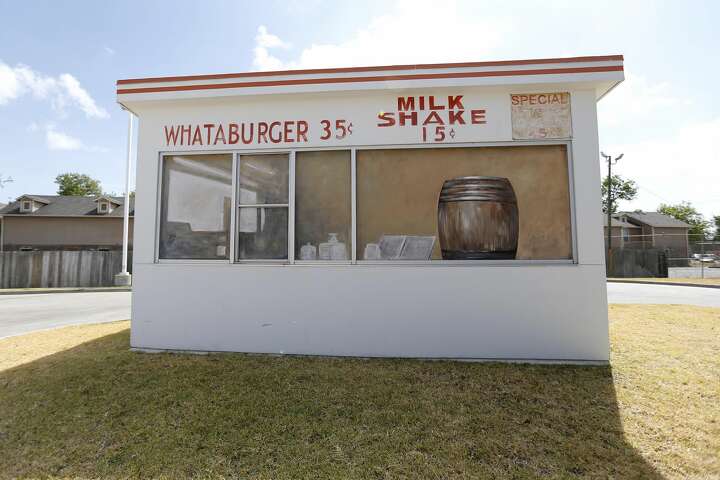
<point x="433" y="118"/>
<point x="541" y="115"/>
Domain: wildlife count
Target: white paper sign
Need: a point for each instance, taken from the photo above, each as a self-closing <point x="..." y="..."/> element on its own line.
<point x="541" y="115"/>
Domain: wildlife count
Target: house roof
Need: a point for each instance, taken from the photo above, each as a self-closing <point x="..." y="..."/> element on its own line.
<point x="66" y="206"/>
<point x="655" y="219"/>
<point x="33" y="197"/>
<point x="618" y="223"/>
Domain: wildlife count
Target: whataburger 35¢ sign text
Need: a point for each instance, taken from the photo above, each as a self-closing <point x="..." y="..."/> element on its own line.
<point x="436" y="119"/>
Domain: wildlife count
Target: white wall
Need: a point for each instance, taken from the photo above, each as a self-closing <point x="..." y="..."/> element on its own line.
<point x="518" y="311"/>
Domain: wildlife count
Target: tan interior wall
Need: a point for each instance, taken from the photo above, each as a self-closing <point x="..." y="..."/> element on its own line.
<point x="398" y="190"/>
<point x="322" y="193"/>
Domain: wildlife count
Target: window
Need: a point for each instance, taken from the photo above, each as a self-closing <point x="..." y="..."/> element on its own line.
<point x="410" y="204"/>
<point x="262" y="220"/>
<point x="103" y="207"/>
<point x="196" y="206"/>
<point x="323" y="206"/>
<point x="26" y="206"/>
<point x="489" y="203"/>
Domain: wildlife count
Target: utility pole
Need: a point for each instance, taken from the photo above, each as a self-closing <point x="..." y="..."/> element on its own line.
<point x="610" y="163"/>
<point x="123" y="278"/>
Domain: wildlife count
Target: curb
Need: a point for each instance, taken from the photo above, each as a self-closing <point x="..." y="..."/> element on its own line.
<point x="35" y="291"/>
<point x="671" y="284"/>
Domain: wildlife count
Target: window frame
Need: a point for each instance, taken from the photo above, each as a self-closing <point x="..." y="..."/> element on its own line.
<point x="292" y="261"/>
<point x="290" y="206"/>
<point x="158" y="209"/>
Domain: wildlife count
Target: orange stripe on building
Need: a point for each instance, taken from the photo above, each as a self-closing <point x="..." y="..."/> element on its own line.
<point x="375" y="78"/>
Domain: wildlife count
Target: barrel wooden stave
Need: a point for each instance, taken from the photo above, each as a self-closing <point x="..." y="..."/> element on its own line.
<point x="478" y="219"/>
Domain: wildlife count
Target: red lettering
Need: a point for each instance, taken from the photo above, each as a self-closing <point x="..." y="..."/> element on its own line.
<point x="456" y="117"/>
<point x="273" y="127"/>
<point x="422" y="103"/>
<point x="477" y="117"/>
<point x="515" y="99"/>
<point x="455" y="102"/>
<point x="406" y="103"/>
<point x="219" y="135"/>
<point x="249" y="138"/>
<point x="532" y="99"/>
<point x="288" y="131"/>
<point x="171" y="135"/>
<point x="404" y="116"/>
<point x="388" y="119"/>
<point x="233" y="136"/>
<point x="434" y="117"/>
<point x="208" y="127"/>
<point x="302" y="129"/>
<point x="542" y="99"/>
<point x="433" y="106"/>
<point x="197" y="136"/>
<point x="183" y="131"/>
<point x="262" y="132"/>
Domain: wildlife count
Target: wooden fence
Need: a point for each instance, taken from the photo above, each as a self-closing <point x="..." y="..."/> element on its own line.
<point x="630" y="262"/>
<point x="60" y="268"/>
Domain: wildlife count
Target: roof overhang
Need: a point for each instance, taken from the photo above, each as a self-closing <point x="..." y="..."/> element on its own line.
<point x="33" y="198"/>
<point x="601" y="73"/>
<point x="107" y="199"/>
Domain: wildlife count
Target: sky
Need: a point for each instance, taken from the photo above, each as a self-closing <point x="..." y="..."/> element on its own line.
<point x="59" y="62"/>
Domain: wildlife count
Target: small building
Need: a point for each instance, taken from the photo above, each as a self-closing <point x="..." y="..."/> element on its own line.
<point x="657" y="230"/>
<point x="434" y="211"/>
<point x="624" y="234"/>
<point x="57" y="222"/>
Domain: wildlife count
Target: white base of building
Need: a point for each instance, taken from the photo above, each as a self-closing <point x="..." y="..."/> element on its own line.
<point x="559" y="312"/>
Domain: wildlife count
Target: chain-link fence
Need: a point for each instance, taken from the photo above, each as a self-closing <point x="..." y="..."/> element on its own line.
<point x="672" y="255"/>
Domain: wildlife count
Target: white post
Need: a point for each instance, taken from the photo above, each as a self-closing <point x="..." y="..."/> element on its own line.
<point x="123" y="278"/>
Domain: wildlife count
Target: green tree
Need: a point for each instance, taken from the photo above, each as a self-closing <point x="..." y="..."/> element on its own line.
<point x="621" y="190"/>
<point x="77" y="185"/>
<point x="716" y="221"/>
<point x="687" y="213"/>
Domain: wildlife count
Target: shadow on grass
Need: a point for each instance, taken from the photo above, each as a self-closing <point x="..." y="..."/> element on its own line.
<point x="99" y="410"/>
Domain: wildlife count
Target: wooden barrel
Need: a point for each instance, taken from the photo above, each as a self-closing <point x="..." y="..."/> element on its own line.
<point x="478" y="219"/>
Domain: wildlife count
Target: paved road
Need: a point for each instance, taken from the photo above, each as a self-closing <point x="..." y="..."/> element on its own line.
<point x="25" y="313"/>
<point x="663" y="294"/>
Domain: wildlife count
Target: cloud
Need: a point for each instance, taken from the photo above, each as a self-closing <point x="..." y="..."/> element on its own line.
<point x="675" y="168"/>
<point x="108" y="50"/>
<point x="62" y="91"/>
<point x="56" y="140"/>
<point x="413" y="31"/>
<point x="636" y="99"/>
<point x="263" y="42"/>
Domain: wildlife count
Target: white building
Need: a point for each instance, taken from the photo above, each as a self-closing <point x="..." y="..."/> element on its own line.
<point x="436" y="211"/>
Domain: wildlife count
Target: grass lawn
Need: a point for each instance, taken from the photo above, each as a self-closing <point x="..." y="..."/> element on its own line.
<point x="75" y="403"/>
<point x="694" y="281"/>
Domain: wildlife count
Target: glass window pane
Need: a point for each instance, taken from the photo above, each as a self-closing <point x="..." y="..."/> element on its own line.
<point x="322" y="205"/>
<point x="196" y="206"/>
<point x="262" y="233"/>
<point x="263" y="179"/>
<point x="464" y="203"/>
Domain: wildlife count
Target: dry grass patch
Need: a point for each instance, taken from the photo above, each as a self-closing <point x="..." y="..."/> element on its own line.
<point x="75" y="403"/>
